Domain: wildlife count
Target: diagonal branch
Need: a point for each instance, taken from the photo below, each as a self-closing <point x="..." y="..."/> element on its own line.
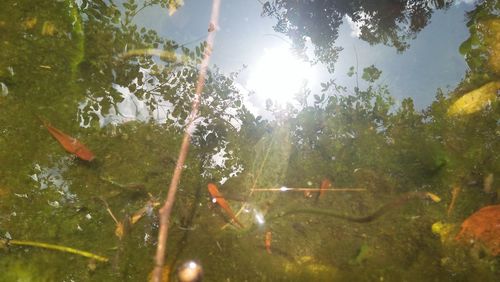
<point x="169" y="202"/>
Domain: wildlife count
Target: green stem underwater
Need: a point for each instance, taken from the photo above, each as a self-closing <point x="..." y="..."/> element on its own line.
<point x="54" y="247"/>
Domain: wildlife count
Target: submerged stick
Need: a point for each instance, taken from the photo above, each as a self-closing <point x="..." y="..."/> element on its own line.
<point x="55" y="247"/>
<point x="286" y="189"/>
<point x="454" y="196"/>
<point x="169" y="202"/>
<point x="395" y="203"/>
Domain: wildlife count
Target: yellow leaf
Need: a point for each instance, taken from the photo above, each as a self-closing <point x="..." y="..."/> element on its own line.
<point x="475" y="100"/>
<point x="435" y="198"/>
<point x="48" y="28"/>
<point x="138" y="215"/>
<point x="29" y="23"/>
<point x="119" y="231"/>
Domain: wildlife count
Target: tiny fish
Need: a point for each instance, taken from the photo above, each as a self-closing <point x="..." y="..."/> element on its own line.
<point x="325" y="184"/>
<point x="267" y="241"/>
<point x="214" y="192"/>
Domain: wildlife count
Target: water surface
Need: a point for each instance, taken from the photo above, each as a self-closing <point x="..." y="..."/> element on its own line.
<point x="394" y="99"/>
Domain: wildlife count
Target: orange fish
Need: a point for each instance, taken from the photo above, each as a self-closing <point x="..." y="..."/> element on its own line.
<point x="325" y="184"/>
<point x="214" y="192"/>
<point x="69" y="143"/>
<point x="267" y="241"/>
<point x="307" y="194"/>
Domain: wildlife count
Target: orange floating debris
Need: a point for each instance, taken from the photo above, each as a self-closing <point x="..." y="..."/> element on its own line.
<point x="69" y="143"/>
<point x="483" y="227"/>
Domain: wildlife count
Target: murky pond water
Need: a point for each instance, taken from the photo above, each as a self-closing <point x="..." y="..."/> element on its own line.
<point x="344" y="140"/>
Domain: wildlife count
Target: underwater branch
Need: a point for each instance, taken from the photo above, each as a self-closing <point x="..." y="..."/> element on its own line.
<point x="169" y="202"/>
<point x="390" y="206"/>
<point x="286" y="189"/>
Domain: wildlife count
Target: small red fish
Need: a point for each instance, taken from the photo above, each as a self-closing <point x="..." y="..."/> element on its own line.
<point x="325" y="184"/>
<point x="69" y="143"/>
<point x="267" y="241"/>
<point x="308" y="194"/>
<point x="217" y="196"/>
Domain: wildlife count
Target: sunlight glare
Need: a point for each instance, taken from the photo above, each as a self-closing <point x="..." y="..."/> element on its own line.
<point x="259" y="217"/>
<point x="279" y="75"/>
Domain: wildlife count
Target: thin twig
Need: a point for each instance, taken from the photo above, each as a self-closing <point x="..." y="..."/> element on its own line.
<point x="454" y="196"/>
<point x="167" y="207"/>
<point x="286" y="189"/>
<point x="109" y="210"/>
<point x="55" y="247"/>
